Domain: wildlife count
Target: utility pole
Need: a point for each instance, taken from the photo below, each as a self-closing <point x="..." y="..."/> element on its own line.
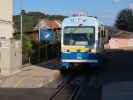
<point x="39" y="55"/>
<point x="21" y="27"/>
<point x="21" y="20"/>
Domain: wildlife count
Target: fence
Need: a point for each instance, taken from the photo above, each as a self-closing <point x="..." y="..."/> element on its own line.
<point x="42" y="52"/>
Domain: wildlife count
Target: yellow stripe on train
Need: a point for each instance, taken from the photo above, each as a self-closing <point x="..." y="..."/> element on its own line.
<point x="75" y="49"/>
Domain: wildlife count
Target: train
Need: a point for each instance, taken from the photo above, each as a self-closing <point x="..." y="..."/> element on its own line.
<point x="82" y="41"/>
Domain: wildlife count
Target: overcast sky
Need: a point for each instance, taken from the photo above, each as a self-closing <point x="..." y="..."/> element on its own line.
<point x="105" y="10"/>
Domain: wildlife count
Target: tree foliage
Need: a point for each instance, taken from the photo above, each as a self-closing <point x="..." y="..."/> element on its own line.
<point x="31" y="19"/>
<point x="124" y="20"/>
<point x="27" y="43"/>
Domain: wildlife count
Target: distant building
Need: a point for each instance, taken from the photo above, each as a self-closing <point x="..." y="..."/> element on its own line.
<point x="120" y="40"/>
<point x="51" y="24"/>
<point x="51" y="27"/>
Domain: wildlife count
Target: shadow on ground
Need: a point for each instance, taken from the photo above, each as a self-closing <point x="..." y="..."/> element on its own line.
<point x="25" y="94"/>
<point x="51" y="64"/>
<point x="117" y="77"/>
<point x="118" y="66"/>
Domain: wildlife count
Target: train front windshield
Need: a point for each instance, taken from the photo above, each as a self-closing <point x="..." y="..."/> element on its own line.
<point x="79" y="36"/>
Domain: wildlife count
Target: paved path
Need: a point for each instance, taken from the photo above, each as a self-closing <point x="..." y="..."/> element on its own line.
<point x="33" y="76"/>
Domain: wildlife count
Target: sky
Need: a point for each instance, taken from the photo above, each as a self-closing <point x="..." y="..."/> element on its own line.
<point x="105" y="10"/>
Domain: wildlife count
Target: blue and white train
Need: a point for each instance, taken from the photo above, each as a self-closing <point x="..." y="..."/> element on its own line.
<point x="82" y="40"/>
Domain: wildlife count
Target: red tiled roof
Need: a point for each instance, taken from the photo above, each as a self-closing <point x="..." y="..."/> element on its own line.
<point x="53" y="24"/>
<point x="124" y="35"/>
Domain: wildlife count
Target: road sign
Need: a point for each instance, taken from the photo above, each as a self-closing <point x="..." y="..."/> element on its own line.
<point x="46" y="34"/>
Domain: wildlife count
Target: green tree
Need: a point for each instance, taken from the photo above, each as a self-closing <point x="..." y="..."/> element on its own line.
<point x="124" y="20"/>
<point x="27" y="45"/>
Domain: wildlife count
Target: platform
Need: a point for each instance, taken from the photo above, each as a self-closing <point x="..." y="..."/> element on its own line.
<point x="34" y="76"/>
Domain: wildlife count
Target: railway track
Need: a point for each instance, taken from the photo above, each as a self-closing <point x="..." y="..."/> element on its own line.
<point x="69" y="88"/>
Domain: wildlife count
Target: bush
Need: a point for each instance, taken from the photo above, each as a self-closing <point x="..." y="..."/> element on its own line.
<point x="27" y="46"/>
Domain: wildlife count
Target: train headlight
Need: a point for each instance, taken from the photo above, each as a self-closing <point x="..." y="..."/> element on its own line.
<point x="66" y="50"/>
<point x="93" y="50"/>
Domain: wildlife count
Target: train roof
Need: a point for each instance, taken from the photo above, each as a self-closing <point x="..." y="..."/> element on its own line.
<point x="81" y="21"/>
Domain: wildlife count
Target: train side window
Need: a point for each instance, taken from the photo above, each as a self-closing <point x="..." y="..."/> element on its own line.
<point x="99" y="33"/>
<point x="103" y="33"/>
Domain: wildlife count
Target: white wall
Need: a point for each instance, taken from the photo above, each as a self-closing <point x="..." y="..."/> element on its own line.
<point x="10" y="49"/>
<point x="6" y="10"/>
<point x="118" y="43"/>
<point x="10" y="56"/>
